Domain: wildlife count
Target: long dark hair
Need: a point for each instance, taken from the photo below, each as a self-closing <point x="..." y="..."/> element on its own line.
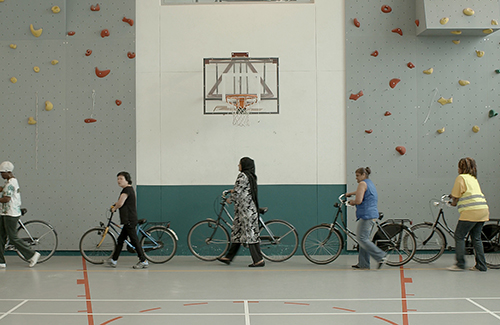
<point x="248" y="168"/>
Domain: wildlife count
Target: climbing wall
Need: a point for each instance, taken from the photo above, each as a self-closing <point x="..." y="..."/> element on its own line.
<point x="68" y="118"/>
<point x="440" y="106"/>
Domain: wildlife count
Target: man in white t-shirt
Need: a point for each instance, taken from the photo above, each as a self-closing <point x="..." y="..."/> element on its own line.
<point x="10" y="212"/>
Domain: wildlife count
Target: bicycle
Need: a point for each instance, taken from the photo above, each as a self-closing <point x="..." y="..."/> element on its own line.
<point x="209" y="239"/>
<point x="159" y="242"/>
<point x="431" y="240"/>
<point x="38" y="235"/>
<point x="323" y="243"/>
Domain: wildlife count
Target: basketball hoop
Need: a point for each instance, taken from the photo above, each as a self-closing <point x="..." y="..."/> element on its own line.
<point x="240" y="103"/>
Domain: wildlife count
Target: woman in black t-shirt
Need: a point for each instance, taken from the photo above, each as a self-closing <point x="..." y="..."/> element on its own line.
<point x="128" y="218"/>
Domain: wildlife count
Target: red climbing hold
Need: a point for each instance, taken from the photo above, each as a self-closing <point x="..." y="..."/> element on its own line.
<point x="128" y="20"/>
<point x="356" y="96"/>
<point x="118" y="102"/>
<point x="356" y="22"/>
<point x="417" y="22"/>
<point x="394" y="82"/>
<point x="410" y="65"/>
<point x="90" y="120"/>
<point x="398" y="31"/>
<point x="401" y="150"/>
<point x="386" y="9"/>
<point x="71" y="33"/>
<point x="369" y="131"/>
<point x="104" y="33"/>
<point x="375" y="54"/>
<point x="95" y="8"/>
<point x="101" y="73"/>
<point x="88" y="52"/>
<point x="387" y="113"/>
<point x="131" y="55"/>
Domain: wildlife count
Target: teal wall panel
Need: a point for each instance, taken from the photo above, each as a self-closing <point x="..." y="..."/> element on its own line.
<point x="302" y="205"/>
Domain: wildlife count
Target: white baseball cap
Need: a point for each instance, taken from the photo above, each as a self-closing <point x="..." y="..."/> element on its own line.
<point x="6" y="167"/>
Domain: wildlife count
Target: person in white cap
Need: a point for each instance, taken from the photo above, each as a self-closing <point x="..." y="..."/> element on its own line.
<point x="10" y="212"/>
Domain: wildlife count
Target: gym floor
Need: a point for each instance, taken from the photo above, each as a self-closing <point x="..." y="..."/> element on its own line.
<point x="67" y="290"/>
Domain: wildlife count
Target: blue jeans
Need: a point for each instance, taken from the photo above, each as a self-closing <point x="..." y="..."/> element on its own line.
<point x="474" y="228"/>
<point x="366" y="247"/>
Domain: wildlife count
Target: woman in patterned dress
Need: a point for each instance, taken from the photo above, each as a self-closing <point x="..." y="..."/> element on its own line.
<point x="245" y="228"/>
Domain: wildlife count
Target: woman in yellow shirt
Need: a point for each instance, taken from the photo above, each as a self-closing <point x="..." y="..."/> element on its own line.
<point x="474" y="212"/>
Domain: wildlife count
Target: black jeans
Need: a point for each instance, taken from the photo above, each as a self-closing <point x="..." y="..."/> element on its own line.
<point x="129" y="231"/>
<point x="254" y="251"/>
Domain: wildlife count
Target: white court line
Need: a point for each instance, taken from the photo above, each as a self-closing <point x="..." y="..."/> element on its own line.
<point x="483" y="308"/>
<point x="12" y="310"/>
<point x="247" y="314"/>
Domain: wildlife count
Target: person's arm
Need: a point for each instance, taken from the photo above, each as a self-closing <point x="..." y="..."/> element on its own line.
<point x="458" y="190"/>
<point x="121" y="201"/>
<point x="454" y="201"/>
<point x="360" y="194"/>
<point x="5" y="199"/>
<point x="239" y="187"/>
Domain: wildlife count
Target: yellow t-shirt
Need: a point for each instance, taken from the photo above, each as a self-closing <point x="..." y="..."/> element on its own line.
<point x="480" y="215"/>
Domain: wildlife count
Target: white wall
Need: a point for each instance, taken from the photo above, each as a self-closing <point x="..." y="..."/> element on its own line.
<point x="178" y="145"/>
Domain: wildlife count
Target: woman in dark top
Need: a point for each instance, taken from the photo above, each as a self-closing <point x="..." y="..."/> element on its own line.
<point x="128" y="218"/>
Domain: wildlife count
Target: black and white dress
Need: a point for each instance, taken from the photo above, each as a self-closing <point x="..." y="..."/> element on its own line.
<point x="245" y="228"/>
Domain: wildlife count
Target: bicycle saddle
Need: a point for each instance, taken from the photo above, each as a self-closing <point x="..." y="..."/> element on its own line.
<point x="263" y="210"/>
<point x="142" y="221"/>
<point x="23" y="211"/>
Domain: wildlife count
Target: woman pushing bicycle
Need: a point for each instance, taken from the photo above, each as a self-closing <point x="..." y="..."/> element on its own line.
<point x="245" y="229"/>
<point x="128" y="218"/>
<point x="467" y="196"/>
<point x="366" y="212"/>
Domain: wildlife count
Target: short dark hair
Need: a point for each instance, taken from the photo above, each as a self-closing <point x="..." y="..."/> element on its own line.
<point x="127" y="177"/>
<point x="468" y="166"/>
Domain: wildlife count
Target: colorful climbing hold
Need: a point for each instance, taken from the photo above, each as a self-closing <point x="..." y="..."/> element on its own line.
<point x="488" y="31"/>
<point x="456" y="41"/>
<point x="369" y="131"/>
<point x="444" y="21"/>
<point x="494" y="22"/>
<point x="56" y="9"/>
<point x="13" y="80"/>
<point x="101" y="73"/>
<point x="35" y="32"/>
<point x="356" y="22"/>
<point x="31" y="120"/>
<point x="398" y="31"/>
<point x="386" y="9"/>
<point x="410" y="65"/>
<point x="71" y="33"/>
<point x="441" y="131"/>
<point x="444" y="101"/>
<point x="104" y="33"/>
<point x="131" y="55"/>
<point x="128" y="21"/>
<point x="476" y="129"/>
<point x="356" y="96"/>
<point x="429" y="71"/>
<point x="456" y="32"/>
<point x="417" y="22"/>
<point x="90" y="120"/>
<point x="13" y="46"/>
<point x="468" y="12"/>
<point x="48" y="106"/>
<point x="88" y="52"/>
<point x="54" y="62"/>
<point x="36" y="69"/>
<point x="118" y="102"/>
<point x="464" y="82"/>
<point x="374" y="53"/>
<point x="387" y="113"/>
<point x="394" y="82"/>
<point x="95" y="8"/>
<point x="492" y="113"/>
<point x="401" y="150"/>
<point x="479" y="54"/>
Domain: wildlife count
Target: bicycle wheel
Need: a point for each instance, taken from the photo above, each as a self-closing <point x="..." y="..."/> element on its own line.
<point x="491" y="242"/>
<point x="428" y="249"/>
<point x="322" y="244"/>
<point x="159" y="244"/>
<point x="397" y="241"/>
<point x="283" y="242"/>
<point x="96" y="246"/>
<point x="40" y="236"/>
<point x="207" y="240"/>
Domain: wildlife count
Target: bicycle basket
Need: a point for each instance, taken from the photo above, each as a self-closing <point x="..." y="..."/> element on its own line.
<point x="383" y="238"/>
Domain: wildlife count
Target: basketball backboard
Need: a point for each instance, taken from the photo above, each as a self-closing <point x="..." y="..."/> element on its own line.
<point x="240" y="74"/>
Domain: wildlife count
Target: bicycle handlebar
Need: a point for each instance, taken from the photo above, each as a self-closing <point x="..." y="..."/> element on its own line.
<point x="343" y="201"/>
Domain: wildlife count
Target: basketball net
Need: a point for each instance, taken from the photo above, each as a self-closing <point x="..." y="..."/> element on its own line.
<point x="240" y="104"/>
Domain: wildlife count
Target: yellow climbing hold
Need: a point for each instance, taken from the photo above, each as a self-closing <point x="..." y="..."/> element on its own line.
<point x="479" y="54"/>
<point x="35" y="32"/>
<point x="31" y="120"/>
<point x="440" y="131"/>
<point x="475" y="129"/>
<point x="494" y="22"/>
<point x="444" y="101"/>
<point x="469" y="12"/>
<point x="456" y="32"/>
<point x="56" y="9"/>
<point x="48" y="106"/>
<point x="54" y="62"/>
<point x="36" y="69"/>
<point x="464" y="82"/>
<point x="456" y="41"/>
<point x="444" y="20"/>
<point x="13" y="46"/>
<point x="13" y="80"/>
<point x="488" y="31"/>
<point x="429" y="71"/>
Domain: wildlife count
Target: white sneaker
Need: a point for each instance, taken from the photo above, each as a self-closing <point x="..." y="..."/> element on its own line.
<point x="34" y="259"/>
<point x="111" y="262"/>
<point x="141" y="265"/>
<point x="3" y="265"/>
<point x="454" y="268"/>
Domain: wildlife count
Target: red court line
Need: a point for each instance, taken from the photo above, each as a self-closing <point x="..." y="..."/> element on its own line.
<point x="146" y="310"/>
<point x="111" y="320"/>
<point x="197" y="303"/>
<point x="351" y="310"/>
<point x="385" y="320"/>
<point x="404" y="302"/>
<point x="90" y="316"/>
<point x="296" y="303"/>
